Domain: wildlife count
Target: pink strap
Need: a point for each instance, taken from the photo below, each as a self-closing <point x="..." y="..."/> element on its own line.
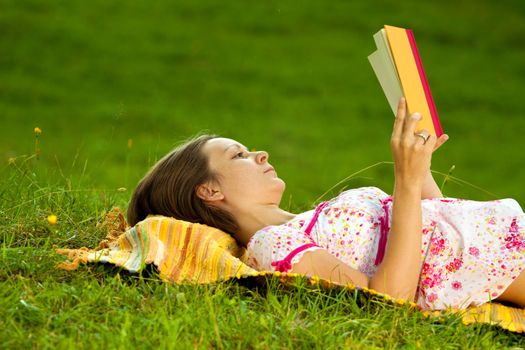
<point x="286" y="264"/>
<point x="318" y="210"/>
<point x="383" y="220"/>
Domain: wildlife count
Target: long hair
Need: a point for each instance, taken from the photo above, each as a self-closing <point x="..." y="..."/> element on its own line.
<point x="169" y="189"/>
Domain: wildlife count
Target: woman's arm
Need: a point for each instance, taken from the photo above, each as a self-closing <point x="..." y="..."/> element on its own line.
<point x="398" y="273"/>
<point x="430" y="188"/>
<point x="324" y="265"/>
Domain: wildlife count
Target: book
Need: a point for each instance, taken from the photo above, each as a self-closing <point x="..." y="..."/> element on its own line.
<point x="398" y="67"/>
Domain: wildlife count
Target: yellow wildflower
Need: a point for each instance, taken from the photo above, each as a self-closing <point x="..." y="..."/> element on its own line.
<point x="52" y="219"/>
<point x="38" y="131"/>
<point x="314" y="280"/>
<point x="11" y="161"/>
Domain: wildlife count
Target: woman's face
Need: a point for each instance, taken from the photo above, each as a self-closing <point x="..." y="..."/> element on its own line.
<point x="244" y="177"/>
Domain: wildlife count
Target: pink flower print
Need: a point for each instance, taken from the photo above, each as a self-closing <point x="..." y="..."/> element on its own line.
<point x="446" y="200"/>
<point x="492" y="221"/>
<point x="457" y="263"/>
<point x="437" y="280"/>
<point x="514" y="239"/>
<point x="431" y="279"/>
<point x="427" y="282"/>
<point x="456" y="285"/>
<point x="432" y="297"/>
<point x="426" y="269"/>
<point x="473" y="251"/>
<point x="437" y="245"/>
<point x="426" y="230"/>
<point x="429" y="228"/>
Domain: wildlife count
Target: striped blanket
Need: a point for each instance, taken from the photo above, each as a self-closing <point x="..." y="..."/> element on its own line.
<point x="184" y="252"/>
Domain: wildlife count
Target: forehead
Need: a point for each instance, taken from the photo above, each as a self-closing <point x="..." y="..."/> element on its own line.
<point x="219" y="145"/>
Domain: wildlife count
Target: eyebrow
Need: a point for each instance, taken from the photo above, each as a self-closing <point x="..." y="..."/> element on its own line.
<point x="235" y="145"/>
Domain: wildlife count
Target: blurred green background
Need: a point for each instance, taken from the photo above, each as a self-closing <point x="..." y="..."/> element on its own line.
<point x="288" y="77"/>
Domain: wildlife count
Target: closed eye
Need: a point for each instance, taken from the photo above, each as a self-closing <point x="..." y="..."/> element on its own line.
<point x="240" y="155"/>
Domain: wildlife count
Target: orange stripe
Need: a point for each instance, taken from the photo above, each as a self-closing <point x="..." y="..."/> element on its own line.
<point x="191" y="263"/>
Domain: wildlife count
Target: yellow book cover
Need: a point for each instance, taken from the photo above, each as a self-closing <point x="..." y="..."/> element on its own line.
<point x="399" y="69"/>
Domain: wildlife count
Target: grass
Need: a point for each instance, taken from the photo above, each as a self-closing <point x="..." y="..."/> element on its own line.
<point x="292" y="79"/>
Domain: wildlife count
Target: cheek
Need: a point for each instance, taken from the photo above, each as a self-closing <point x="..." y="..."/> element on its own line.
<point x="240" y="178"/>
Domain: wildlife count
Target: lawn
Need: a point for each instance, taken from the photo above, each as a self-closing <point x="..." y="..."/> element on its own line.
<point x="114" y="85"/>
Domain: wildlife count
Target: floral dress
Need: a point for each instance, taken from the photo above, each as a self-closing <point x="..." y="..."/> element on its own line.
<point x="471" y="251"/>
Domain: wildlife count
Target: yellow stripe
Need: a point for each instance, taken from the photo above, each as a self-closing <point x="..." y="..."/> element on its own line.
<point x="164" y="237"/>
<point x="216" y="254"/>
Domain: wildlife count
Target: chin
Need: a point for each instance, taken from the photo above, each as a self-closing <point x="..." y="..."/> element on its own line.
<point x="281" y="183"/>
<point x="280" y="188"/>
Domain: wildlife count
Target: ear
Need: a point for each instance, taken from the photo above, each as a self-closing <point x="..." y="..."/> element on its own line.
<point x="209" y="192"/>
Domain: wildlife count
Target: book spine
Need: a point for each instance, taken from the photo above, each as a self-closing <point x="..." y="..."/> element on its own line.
<point x="430" y="101"/>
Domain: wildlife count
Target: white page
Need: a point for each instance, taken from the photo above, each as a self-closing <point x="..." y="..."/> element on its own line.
<point x="383" y="64"/>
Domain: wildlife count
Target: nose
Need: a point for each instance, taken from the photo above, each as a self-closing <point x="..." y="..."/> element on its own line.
<point x="261" y="157"/>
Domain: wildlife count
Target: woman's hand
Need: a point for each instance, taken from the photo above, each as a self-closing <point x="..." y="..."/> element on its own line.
<point x="411" y="149"/>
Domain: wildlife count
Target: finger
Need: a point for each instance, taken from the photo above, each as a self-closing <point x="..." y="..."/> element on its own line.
<point x="400" y="118"/>
<point x="422" y="136"/>
<point x="411" y="123"/>
<point x="431" y="143"/>
<point x="432" y="140"/>
<point x="440" y="141"/>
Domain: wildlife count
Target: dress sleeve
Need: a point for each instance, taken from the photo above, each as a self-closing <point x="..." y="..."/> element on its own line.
<point x="278" y="248"/>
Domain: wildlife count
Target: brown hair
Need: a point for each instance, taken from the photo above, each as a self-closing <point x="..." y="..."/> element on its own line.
<point x="168" y="189"/>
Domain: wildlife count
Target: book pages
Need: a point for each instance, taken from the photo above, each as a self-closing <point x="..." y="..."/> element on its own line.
<point x="382" y="63"/>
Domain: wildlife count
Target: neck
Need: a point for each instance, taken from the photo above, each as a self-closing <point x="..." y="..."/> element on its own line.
<point x="254" y="220"/>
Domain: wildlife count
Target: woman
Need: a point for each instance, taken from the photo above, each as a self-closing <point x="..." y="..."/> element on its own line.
<point x="414" y="245"/>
